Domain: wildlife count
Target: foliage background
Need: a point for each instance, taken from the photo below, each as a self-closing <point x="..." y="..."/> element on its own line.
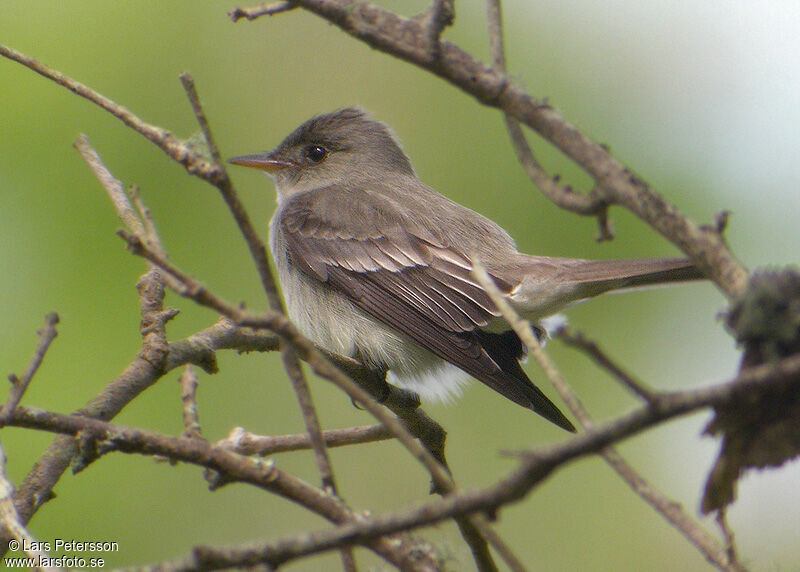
<point x="700" y="100"/>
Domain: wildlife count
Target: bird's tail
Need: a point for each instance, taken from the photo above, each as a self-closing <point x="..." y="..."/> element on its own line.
<point x="548" y="285"/>
<point x="605" y="275"/>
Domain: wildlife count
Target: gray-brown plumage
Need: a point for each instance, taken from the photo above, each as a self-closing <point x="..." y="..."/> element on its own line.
<point x="376" y="265"/>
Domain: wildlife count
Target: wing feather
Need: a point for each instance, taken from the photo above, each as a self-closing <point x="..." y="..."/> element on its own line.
<point x="409" y="279"/>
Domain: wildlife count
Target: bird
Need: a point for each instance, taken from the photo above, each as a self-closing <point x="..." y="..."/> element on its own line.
<point x="377" y="266"/>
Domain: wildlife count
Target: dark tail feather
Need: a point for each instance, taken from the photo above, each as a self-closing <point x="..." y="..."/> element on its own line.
<point x="672" y="270"/>
<point x="505" y="350"/>
<point x="543" y="406"/>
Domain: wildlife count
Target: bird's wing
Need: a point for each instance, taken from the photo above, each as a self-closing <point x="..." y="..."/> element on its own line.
<point x="406" y="276"/>
<point x="406" y="261"/>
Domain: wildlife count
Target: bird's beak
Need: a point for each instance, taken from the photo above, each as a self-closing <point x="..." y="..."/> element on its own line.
<point x="263" y="161"/>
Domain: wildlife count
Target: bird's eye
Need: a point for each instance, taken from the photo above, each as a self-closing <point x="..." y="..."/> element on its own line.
<point x="315" y="153"/>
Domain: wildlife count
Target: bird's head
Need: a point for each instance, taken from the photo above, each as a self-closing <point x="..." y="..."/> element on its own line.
<point x="343" y="146"/>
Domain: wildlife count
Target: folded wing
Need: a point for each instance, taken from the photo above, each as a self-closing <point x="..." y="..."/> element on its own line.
<point x="409" y="278"/>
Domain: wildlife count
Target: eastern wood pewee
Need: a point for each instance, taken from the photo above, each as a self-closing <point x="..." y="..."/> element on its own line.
<point x="375" y="265"/>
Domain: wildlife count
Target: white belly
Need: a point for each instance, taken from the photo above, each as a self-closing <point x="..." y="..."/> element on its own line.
<point x="333" y="322"/>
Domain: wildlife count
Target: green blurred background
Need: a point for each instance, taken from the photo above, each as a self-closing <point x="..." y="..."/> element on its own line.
<point x="699" y="100"/>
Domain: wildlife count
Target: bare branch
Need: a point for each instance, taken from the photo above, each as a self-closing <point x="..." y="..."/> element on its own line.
<point x="562" y="195"/>
<point x="259" y="254"/>
<point x="112" y="185"/>
<point x="61" y="452"/>
<point x="435" y="19"/>
<point x="20" y="385"/>
<point x="10" y="521"/>
<point x="418" y="41"/>
<point x="145" y="370"/>
<point x="539" y="464"/>
<point x="673" y="513"/>
<point x="245" y="443"/>
<point x="580" y="341"/>
<point x="231" y="198"/>
<point x="473" y="535"/>
<point x="150" y="231"/>
<point x="292" y="366"/>
<point x="523" y="329"/>
<point x="194" y="99"/>
<point x="132" y="211"/>
<point x="727" y="534"/>
<point x="191" y="288"/>
<point x="200" y="348"/>
<point x="265" y="9"/>
<point x="99" y="438"/>
<point x="536" y="467"/>
<point x="120" y="199"/>
<point x="503" y="549"/>
<point x="165" y="140"/>
<point x="191" y="421"/>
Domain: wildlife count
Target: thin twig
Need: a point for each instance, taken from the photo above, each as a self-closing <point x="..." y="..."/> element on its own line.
<point x="477" y="541"/>
<point x="99" y="438"/>
<point x="19" y="385"/>
<point x="191" y="419"/>
<point x="231" y="198"/>
<point x="280" y="325"/>
<point x="732" y="276"/>
<point x="194" y="99"/>
<point x="113" y="186"/>
<point x="562" y="195"/>
<point x="200" y="349"/>
<point x="435" y="19"/>
<point x="131" y="210"/>
<point x="669" y="509"/>
<point x="258" y="252"/>
<point x="165" y="140"/>
<point x="117" y="394"/>
<point x="51" y="466"/>
<point x="265" y="9"/>
<point x="11" y="523"/>
<point x="222" y="181"/>
<point x="590" y="347"/>
<point x="246" y="443"/>
<point x="147" y="227"/>
<point x="727" y="534"/>
<point x="150" y="231"/>
<point x="523" y="329"/>
<point x="324" y="466"/>
<point x="292" y="366"/>
<point x="406" y="39"/>
<point x="497" y="542"/>
<point x="140" y="374"/>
